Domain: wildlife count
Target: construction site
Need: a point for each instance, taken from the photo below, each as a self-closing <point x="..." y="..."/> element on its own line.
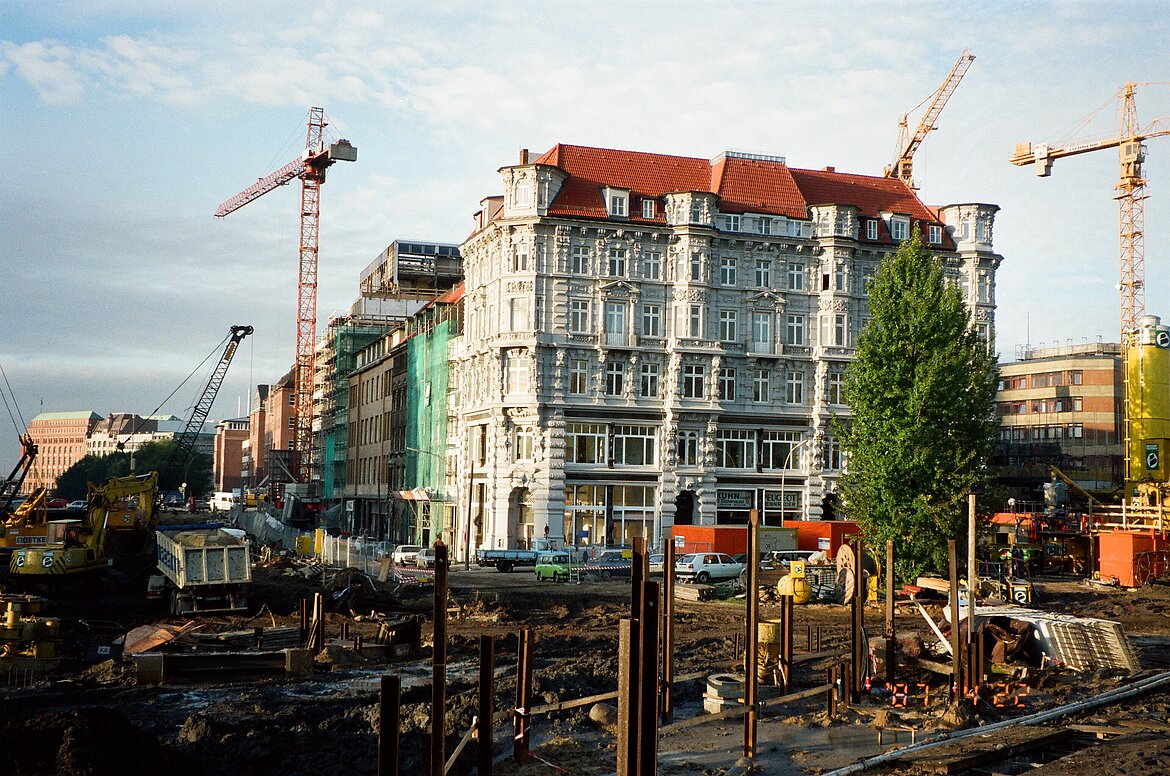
<point x="762" y="635"/>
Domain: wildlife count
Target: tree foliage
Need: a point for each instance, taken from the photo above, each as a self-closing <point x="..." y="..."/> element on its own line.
<point x="922" y="397"/>
<point x="152" y="456"/>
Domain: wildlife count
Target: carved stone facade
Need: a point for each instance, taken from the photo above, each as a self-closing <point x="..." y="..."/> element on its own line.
<point x="643" y="346"/>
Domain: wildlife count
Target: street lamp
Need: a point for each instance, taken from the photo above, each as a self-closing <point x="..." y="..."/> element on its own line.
<point x="784" y="473"/>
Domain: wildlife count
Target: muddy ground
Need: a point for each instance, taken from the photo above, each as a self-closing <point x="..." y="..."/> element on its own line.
<point x="97" y="720"/>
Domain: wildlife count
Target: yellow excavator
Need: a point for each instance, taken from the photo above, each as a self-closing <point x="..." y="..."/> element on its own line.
<point x="78" y="546"/>
<point x="26" y="524"/>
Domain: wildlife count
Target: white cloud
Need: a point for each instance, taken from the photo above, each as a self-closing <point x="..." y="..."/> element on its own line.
<point x="49" y="68"/>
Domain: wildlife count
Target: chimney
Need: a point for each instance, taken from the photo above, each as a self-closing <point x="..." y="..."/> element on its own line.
<point x="523" y="156"/>
<point x="830" y="169"/>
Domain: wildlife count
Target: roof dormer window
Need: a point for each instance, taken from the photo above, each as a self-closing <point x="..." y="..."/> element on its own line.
<point x="900" y="228"/>
<point x="617" y="202"/>
<point x="648" y="209"/>
<point x="934" y="234"/>
<point x="871" y="229"/>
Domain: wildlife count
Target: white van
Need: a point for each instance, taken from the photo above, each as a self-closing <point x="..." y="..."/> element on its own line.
<point x="222" y="501"/>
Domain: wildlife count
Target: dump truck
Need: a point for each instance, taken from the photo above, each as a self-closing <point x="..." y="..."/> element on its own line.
<point x="202" y="570"/>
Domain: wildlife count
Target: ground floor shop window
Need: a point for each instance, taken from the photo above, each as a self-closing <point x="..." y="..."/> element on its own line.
<point x="584" y="514"/>
<point x="633" y="513"/>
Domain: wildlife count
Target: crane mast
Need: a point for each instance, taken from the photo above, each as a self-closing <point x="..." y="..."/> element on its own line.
<point x="903" y="165"/>
<point x="1131" y="196"/>
<point x="310" y="168"/>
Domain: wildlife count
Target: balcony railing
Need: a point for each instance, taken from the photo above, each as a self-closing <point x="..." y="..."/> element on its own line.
<point x="612" y="339"/>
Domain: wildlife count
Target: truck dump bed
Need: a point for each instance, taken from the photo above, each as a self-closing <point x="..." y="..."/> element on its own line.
<point x="204" y="557"/>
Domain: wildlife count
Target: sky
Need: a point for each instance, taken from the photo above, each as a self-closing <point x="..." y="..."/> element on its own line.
<point x="127" y="121"/>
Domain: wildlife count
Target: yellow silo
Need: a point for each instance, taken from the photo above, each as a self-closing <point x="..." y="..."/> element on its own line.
<point x="1148" y="402"/>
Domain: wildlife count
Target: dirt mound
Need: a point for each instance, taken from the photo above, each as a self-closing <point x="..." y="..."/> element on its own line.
<point x="81" y="742"/>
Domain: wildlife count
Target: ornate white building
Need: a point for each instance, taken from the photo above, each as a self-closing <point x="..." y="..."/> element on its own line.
<point x="655" y="339"/>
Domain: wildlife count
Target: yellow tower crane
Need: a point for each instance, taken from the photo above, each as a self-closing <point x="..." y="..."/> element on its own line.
<point x="1131" y="195"/>
<point x="903" y="164"/>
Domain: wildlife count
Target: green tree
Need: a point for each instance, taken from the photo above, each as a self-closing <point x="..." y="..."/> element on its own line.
<point x="922" y="397"/>
<point x="152" y="456"/>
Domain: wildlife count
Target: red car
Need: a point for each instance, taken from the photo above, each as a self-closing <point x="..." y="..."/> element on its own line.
<point x="57" y="503"/>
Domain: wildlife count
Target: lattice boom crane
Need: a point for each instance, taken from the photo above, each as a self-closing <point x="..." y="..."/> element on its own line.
<point x="903" y="164"/>
<point x="1131" y="195"/>
<point x="310" y="168"/>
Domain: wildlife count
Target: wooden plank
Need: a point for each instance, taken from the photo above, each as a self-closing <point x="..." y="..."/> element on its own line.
<point x="458" y="751"/>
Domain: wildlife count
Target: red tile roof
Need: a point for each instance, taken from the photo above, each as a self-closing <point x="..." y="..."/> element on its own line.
<point x="743" y="184"/>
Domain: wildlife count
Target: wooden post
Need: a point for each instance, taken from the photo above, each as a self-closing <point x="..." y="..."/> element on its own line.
<point x="787" y="615"/>
<point x="750" y="667"/>
<point x="439" y="664"/>
<point x="860" y="650"/>
<point x="625" y="647"/>
<point x="831" y="695"/>
<point x="520" y="722"/>
<point x="633" y="686"/>
<point x="891" y="644"/>
<point x="956" y="654"/>
<point x="668" y="631"/>
<point x="388" y="725"/>
<point x="487" y="692"/>
<point x="648" y="694"/>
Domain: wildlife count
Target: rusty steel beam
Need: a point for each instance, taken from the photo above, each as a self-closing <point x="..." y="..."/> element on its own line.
<point x="668" y="631"/>
<point x="520" y="719"/>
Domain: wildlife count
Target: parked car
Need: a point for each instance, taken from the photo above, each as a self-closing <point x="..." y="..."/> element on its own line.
<point x="655" y="564"/>
<point x="425" y="559"/>
<point x="704" y="567"/>
<point x="785" y="557"/>
<point x="57" y="503"/>
<point x="79" y="504"/>
<point x="406" y="554"/>
<point x="552" y="565"/>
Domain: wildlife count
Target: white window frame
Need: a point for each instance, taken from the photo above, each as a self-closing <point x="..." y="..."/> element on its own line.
<point x="618" y="203"/>
<point x="523" y="443"/>
<point x="728" y="442"/>
<point x="517" y="373"/>
<point x="634" y="445"/>
<point x="794" y="329"/>
<point x="519" y="318"/>
<point x="728" y="325"/>
<point x="777" y="447"/>
<point x="762" y="386"/>
<point x="726" y="384"/>
<point x="835" y="387"/>
<point x="763" y="225"/>
<point x="616" y="263"/>
<point x="795" y="276"/>
<point x="580" y="316"/>
<point x="648" y="380"/>
<point x="871" y="229"/>
<point x="762" y="327"/>
<point x="651" y="320"/>
<point x="615" y="378"/>
<point x="694" y="381"/>
<point x="579" y="262"/>
<point x="794" y="387"/>
<point x="695" y="321"/>
<point x="900" y="229"/>
<point x="616" y="318"/>
<point x="578" y="377"/>
<point x="585" y="443"/>
<point x="763" y="273"/>
<point x="696" y="266"/>
<point x="652" y="265"/>
<point x="728" y="266"/>
<point x="734" y="222"/>
<point x="648" y="209"/>
<point x="934" y="234"/>
<point x="687" y="448"/>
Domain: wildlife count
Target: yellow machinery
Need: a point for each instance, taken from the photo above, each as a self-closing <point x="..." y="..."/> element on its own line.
<point x="795" y="583"/>
<point x="78" y="546"/>
<point x="1148" y="408"/>
<point x="27" y="525"/>
<point x="26" y="641"/>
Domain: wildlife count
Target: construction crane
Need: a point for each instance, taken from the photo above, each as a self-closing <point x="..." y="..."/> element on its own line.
<point x="310" y="167"/>
<point x="186" y="440"/>
<point x="1131" y="195"/>
<point x="903" y="165"/>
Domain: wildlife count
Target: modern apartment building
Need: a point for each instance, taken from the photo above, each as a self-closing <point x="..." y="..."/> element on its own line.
<point x="654" y="339"/>
<point x="61" y="439"/>
<point x="1062" y="406"/>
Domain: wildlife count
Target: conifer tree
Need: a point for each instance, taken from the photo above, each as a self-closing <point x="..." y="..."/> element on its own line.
<point x="922" y="398"/>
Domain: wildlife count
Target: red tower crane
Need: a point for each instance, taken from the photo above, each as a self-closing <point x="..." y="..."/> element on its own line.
<point x="310" y="168"/>
<point x="903" y="164"/>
